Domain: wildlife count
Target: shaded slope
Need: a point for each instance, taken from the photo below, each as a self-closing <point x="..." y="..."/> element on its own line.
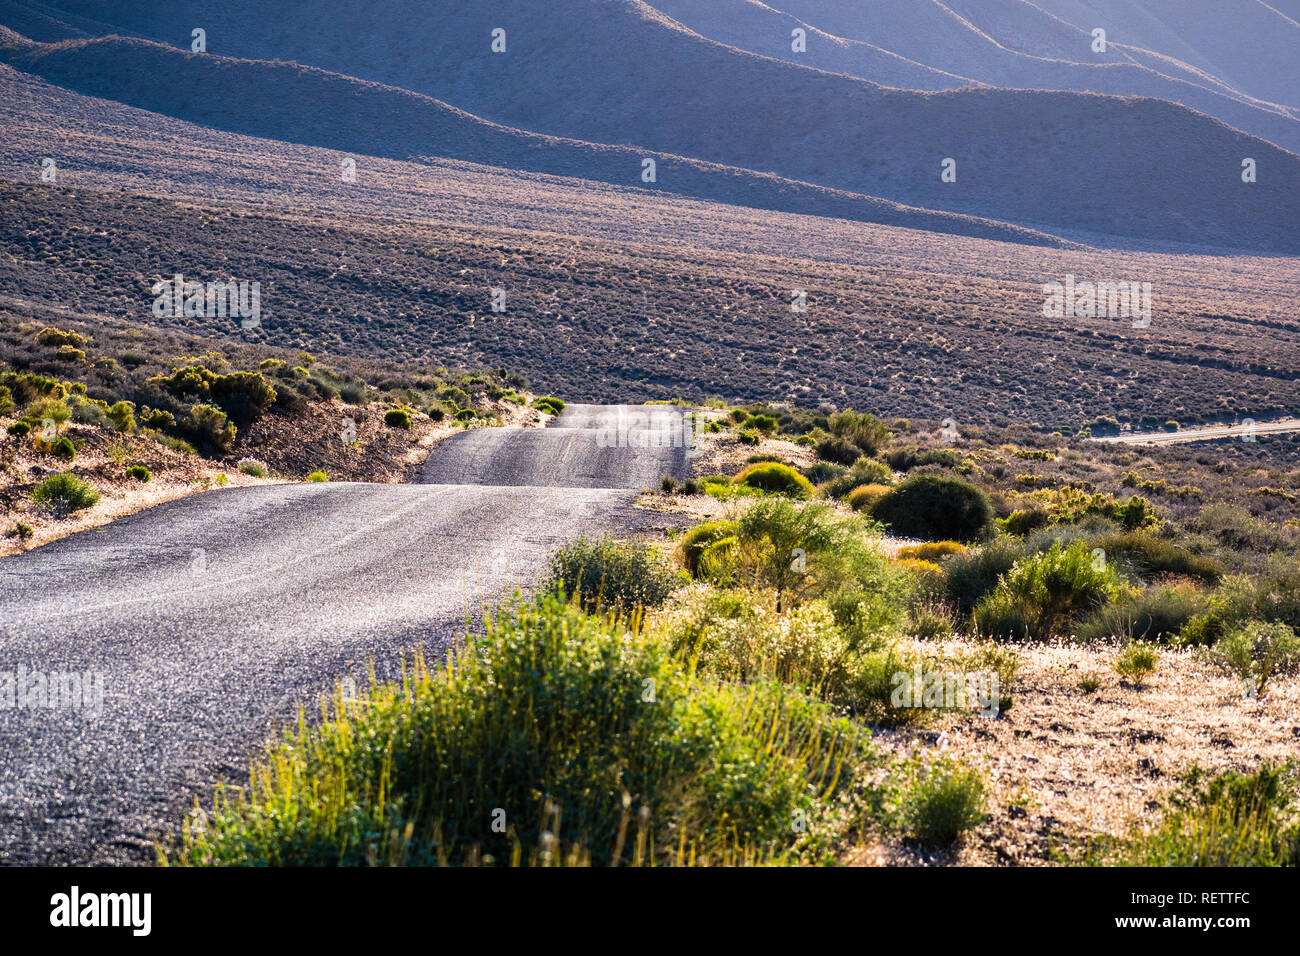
<point x="315" y="107"/>
<point x="1137" y="168"/>
<point x="1251" y="44"/>
<point x="1052" y="55"/>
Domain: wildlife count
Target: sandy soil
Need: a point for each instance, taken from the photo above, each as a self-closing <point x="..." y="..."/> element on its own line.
<point x="1063" y="764"/>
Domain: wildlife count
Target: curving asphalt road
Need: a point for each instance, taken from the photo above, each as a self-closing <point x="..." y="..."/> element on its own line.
<point x="1247" y="432"/>
<point x="209" y="620"/>
<point x="587" y="446"/>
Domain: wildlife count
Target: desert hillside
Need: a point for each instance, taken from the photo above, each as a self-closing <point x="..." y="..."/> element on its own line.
<point x="1050" y="160"/>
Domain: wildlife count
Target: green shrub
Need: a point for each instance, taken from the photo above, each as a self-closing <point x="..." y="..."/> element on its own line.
<point x="318" y="475"/>
<point x="837" y="450"/>
<point x="170" y="441"/>
<point x="1022" y="521"/>
<point x="550" y="721"/>
<point x="863" y="497"/>
<point x="931" y="620"/>
<point x="63" y="449"/>
<point x="868" y="433"/>
<point x="736" y="635"/>
<point x="932" y="550"/>
<point x="1136" y="662"/>
<point x="23" y="532"/>
<point x="354" y="393"/>
<point x="865" y="471"/>
<point x="975" y="574"/>
<point x="55" y="409"/>
<point x="909" y="457"/>
<point x="242" y="396"/>
<point x="935" y="508"/>
<point x="823" y="471"/>
<point x="872" y="683"/>
<point x="775" y="478"/>
<point x="1042" y="594"/>
<point x="801" y="552"/>
<point x="699" y="538"/>
<point x="64" y="493"/>
<point x="7" y="404"/>
<point x="208" y="427"/>
<point x="748" y="436"/>
<point x="122" y="415"/>
<point x="252" y="467"/>
<point x="1224" y="820"/>
<point x="613" y="575"/>
<point x="947" y="801"/>
<point x="1238" y="529"/>
<point x="1156" y="614"/>
<point x="139" y="472"/>
<point x="548" y="404"/>
<point x="762" y="423"/>
<point x="1259" y="651"/>
<point x="27" y="387"/>
<point x="58" y="337"/>
<point x="1277" y="591"/>
<point x="1147" y="556"/>
<point x="1226" y="607"/>
<point x="88" y="411"/>
<point x="19" y="429"/>
<point x="156" y="418"/>
<point x="397" y="418"/>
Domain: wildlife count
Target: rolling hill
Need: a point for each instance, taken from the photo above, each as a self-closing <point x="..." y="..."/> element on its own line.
<point x="354" y="116"/>
<point x="616" y="291"/>
<point x="631" y="76"/>
<point x="993" y="42"/>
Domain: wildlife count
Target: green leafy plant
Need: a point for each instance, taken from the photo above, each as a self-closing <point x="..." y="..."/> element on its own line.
<point x="1136" y="662"/>
<point x="935" y="508"/>
<point x="1259" y="651"/>
<point x="251" y="467"/>
<point x="1042" y="594"/>
<point x="548" y="404"/>
<point x="64" y="493"/>
<point x="612" y="575"/>
<point x="774" y="478"/>
<point x="947" y="801"/>
<point x="800" y="551"/>
<point x="1156" y="614"/>
<point x="549" y="722"/>
<point x="139" y="472"/>
<point x="63" y="449"/>
<point x="1227" y="819"/>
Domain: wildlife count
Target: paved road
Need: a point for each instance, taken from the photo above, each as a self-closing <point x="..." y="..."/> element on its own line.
<point x="587" y="446"/>
<point x="211" y="618"/>
<point x="1208" y="433"/>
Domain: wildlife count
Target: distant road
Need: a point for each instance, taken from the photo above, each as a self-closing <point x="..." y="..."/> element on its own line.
<point x="1209" y="433"/>
<point x="588" y="446"/>
<point x="216" y="616"/>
